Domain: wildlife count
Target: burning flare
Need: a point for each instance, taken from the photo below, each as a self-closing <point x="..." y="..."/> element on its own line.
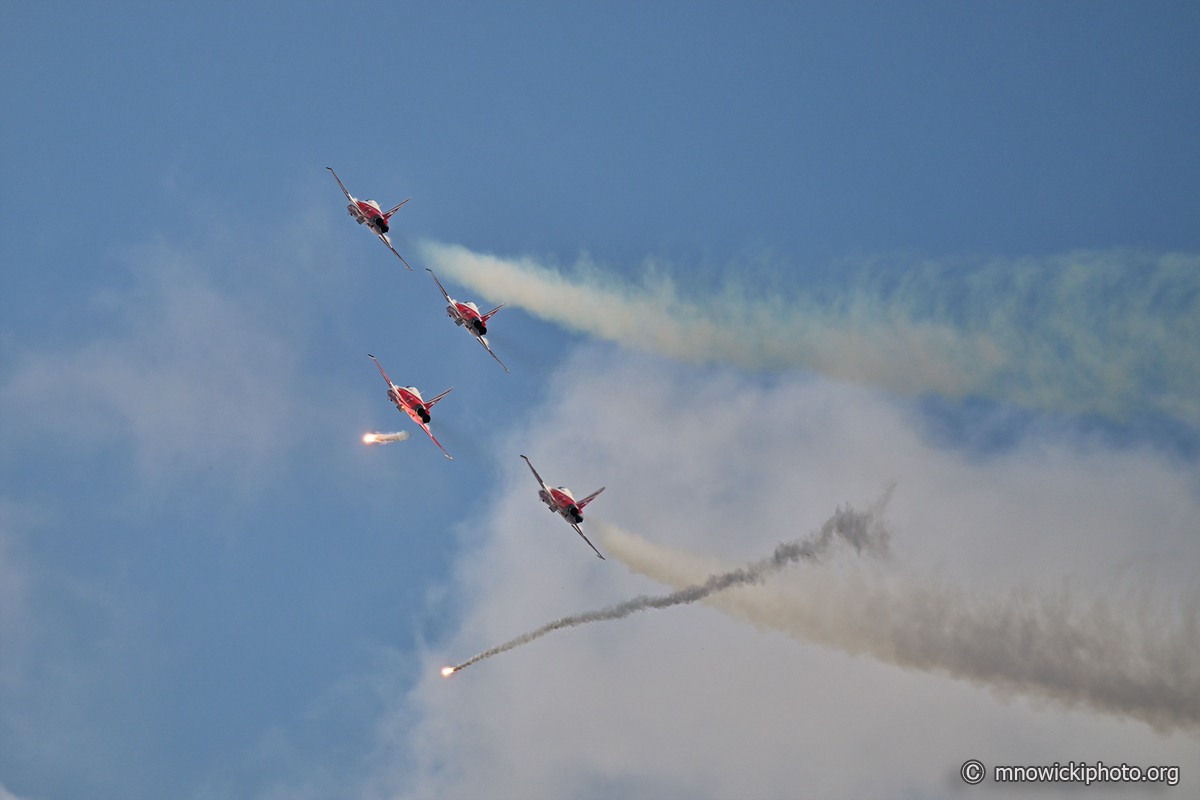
<point x="383" y="438"/>
<point x="447" y="671"/>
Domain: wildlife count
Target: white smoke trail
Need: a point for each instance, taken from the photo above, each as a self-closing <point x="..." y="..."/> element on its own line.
<point x="1112" y="332"/>
<point x="1142" y="665"/>
<point x="863" y="530"/>
<point x="384" y="438"/>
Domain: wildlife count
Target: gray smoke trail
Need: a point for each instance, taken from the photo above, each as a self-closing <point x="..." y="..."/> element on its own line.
<point x="1140" y="663"/>
<point x="863" y="530"/>
<point x="383" y="438"/>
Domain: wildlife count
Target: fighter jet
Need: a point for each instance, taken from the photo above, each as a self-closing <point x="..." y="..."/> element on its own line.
<point x="367" y="211"/>
<point x="408" y="400"/>
<point x="563" y="503"/>
<point x="467" y="315"/>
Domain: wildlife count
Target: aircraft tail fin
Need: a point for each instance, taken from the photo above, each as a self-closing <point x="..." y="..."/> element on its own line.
<point x="590" y="497"/>
<point x="394" y="209"/>
<point x="429" y="403"/>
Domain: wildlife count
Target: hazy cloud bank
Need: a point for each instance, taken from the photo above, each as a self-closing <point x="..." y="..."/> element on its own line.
<point x="691" y="702"/>
<point x="1139" y="663"/>
<point x="197" y="360"/>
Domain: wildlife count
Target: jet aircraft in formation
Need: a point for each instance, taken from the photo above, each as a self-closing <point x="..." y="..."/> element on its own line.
<point x="408" y="400"/>
<point x="367" y="212"/>
<point x="563" y="503"/>
<point x="467" y="315"/>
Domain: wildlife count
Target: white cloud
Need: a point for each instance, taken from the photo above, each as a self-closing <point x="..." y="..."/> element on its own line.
<point x="688" y="702"/>
<point x="1099" y="652"/>
<point x="185" y="390"/>
<point x="1108" y="332"/>
<point x="189" y="373"/>
<point x="198" y="360"/>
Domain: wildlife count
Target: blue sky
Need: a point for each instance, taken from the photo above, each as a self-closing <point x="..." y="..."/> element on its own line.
<point x="759" y="262"/>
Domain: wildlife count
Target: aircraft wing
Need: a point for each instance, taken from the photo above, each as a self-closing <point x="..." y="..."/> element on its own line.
<point x="539" y="477"/>
<point x="580" y="532"/>
<point x="589" y="498"/>
<point x="485" y="347"/>
<point x="339" y="180"/>
<point x="396" y="208"/>
<point x="425" y="428"/>
<point x="429" y="403"/>
<point x="383" y="238"/>
<point x="381" y="372"/>
<point x="439" y="283"/>
<point x="488" y="315"/>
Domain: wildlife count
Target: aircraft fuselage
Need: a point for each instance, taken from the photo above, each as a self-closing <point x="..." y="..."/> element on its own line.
<point x="368" y="211"/>
<point x="408" y="400"/>
<point x="562" y="502"/>
<point x="467" y="314"/>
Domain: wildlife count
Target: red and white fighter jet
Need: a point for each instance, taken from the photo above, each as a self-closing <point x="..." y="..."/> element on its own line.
<point x="408" y="400"/>
<point x="368" y="211"/>
<point x="468" y="316"/>
<point x="563" y="503"/>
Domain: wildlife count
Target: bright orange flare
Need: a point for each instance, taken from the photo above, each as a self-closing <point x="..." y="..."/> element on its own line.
<point x="447" y="670"/>
<point x="368" y="438"/>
